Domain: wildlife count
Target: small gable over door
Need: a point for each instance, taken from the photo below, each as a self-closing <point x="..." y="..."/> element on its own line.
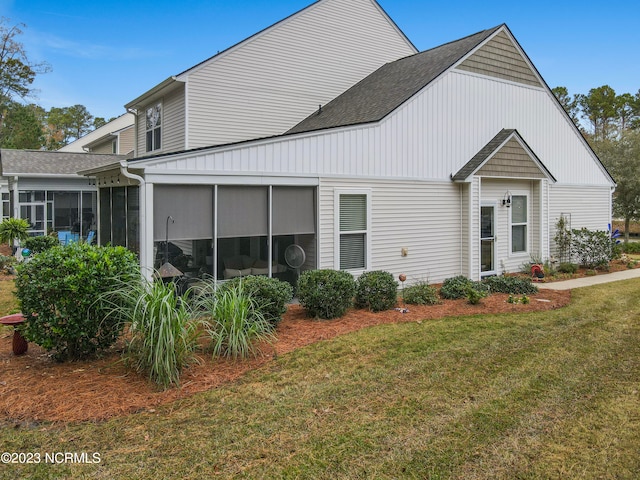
<point x="505" y="156"/>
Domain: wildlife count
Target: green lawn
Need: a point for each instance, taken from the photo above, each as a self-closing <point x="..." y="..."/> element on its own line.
<point x="530" y="396"/>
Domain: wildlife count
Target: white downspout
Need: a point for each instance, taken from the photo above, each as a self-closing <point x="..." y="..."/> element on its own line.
<point x="145" y="266"/>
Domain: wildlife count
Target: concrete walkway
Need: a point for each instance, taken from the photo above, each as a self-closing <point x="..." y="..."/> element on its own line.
<point x="588" y="281"/>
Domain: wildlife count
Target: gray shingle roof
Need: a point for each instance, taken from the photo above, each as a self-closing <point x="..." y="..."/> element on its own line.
<point x="390" y="86"/>
<point x="34" y="162"/>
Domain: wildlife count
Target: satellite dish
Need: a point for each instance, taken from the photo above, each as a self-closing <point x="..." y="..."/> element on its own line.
<point x="294" y="256"/>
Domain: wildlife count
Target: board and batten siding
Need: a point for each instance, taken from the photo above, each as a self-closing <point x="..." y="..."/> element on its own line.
<point x="173" y="124"/>
<point x="423" y="217"/>
<point x="430" y="137"/>
<point x="269" y="83"/>
<point x="441" y="128"/>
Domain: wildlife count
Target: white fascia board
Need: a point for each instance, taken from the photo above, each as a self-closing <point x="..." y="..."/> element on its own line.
<point x="198" y="178"/>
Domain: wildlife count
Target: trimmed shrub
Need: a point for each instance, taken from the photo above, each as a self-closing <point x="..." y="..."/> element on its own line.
<point x="567" y="267"/>
<point x="62" y="292"/>
<point x="631" y="247"/>
<point x="513" y="285"/>
<point x="458" y="287"/>
<point x="270" y="294"/>
<point x="40" y="243"/>
<point x="376" y="291"/>
<point x="421" y="294"/>
<point x="326" y="293"/>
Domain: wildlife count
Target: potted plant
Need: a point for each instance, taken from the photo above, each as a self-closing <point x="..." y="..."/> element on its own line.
<point x="13" y="231"/>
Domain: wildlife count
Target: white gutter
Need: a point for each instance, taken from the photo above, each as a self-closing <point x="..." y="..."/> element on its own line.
<point x="145" y="267"/>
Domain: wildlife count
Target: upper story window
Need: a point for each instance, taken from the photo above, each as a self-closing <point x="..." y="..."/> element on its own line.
<point x="154" y="130"/>
<point x="519" y="224"/>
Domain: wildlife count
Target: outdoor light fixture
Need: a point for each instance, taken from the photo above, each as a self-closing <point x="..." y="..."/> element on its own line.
<point x="506" y="200"/>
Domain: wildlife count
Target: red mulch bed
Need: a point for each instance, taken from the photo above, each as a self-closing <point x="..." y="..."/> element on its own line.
<point x="33" y="387"/>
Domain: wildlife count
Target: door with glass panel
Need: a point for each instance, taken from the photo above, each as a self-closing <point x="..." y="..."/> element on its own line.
<point x="487" y="240"/>
<point x="34" y="214"/>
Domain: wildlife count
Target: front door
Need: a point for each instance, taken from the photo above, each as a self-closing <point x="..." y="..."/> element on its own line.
<point x="487" y="240"/>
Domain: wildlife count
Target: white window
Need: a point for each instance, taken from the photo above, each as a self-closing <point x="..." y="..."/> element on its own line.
<point x="154" y="130"/>
<point x="519" y="224"/>
<point x="6" y="205"/>
<point x="352" y="230"/>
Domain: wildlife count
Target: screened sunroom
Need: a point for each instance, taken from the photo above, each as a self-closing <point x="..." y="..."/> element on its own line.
<point x="224" y="231"/>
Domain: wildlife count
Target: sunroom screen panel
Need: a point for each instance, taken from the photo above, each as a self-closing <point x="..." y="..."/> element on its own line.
<point x="294" y="210"/>
<point x="190" y="206"/>
<point x="242" y="211"/>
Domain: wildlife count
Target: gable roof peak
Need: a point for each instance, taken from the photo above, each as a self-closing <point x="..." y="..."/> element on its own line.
<point x="380" y="93"/>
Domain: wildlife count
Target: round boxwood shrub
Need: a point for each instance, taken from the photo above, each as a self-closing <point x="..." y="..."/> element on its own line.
<point x="376" y="291"/>
<point x="40" y="243"/>
<point x="421" y="294"/>
<point x="326" y="293"/>
<point x="63" y="292"/>
<point x="458" y="287"/>
<point x="270" y="294"/>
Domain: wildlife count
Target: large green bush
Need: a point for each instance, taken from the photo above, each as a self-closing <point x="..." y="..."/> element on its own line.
<point x="270" y="294"/>
<point x="593" y="249"/>
<point x="326" y="293"/>
<point x="40" y="243"/>
<point x="512" y="285"/>
<point x="62" y="292"/>
<point x="421" y="294"/>
<point x="376" y="291"/>
<point x="459" y="286"/>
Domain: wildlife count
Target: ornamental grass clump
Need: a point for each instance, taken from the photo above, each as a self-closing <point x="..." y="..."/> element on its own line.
<point x="163" y="333"/>
<point x="376" y="291"/>
<point x="326" y="294"/>
<point x="233" y="320"/>
<point x="270" y="294"/>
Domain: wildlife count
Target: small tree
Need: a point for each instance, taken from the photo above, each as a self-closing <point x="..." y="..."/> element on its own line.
<point x="13" y="230"/>
<point x="563" y="239"/>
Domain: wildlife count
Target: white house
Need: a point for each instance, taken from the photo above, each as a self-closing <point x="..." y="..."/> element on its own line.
<point x="43" y="188"/>
<point x="455" y="160"/>
<point x="270" y="81"/>
<point x="115" y="137"/>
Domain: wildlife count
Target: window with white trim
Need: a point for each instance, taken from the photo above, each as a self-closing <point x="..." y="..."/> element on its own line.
<point x="519" y="224"/>
<point x="353" y="231"/>
<point x="154" y="127"/>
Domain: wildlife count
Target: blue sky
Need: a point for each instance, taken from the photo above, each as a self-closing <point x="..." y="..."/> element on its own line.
<point x="104" y="54"/>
